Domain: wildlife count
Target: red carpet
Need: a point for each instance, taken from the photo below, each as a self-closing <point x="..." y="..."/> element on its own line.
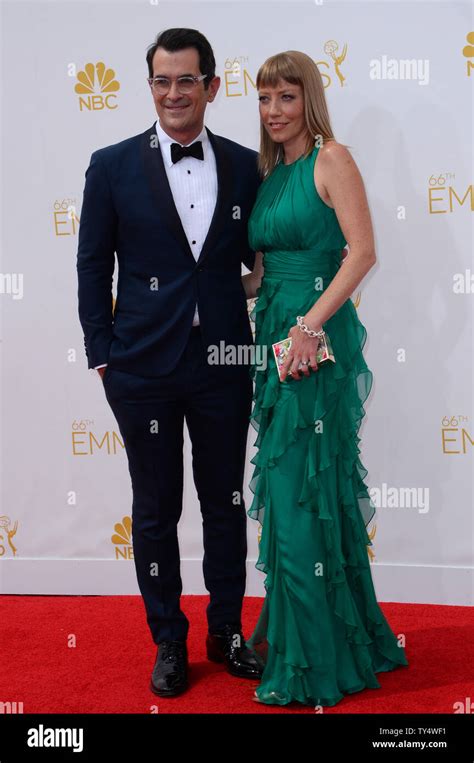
<point x="108" y="670"/>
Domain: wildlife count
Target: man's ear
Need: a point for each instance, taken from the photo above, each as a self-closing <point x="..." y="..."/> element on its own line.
<point x="213" y="88"/>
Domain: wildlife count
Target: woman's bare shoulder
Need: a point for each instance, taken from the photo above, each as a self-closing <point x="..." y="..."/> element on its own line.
<point x="334" y="153"/>
<point x="334" y="161"/>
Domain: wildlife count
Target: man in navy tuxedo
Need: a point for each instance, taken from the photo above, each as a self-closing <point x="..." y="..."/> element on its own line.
<point x="173" y="204"/>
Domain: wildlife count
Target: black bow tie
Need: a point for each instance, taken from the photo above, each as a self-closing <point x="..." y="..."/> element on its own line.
<point x="195" y="149"/>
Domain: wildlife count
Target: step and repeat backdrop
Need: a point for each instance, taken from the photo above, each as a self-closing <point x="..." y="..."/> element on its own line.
<point x="399" y="81"/>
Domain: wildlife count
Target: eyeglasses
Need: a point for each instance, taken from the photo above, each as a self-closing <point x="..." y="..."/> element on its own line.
<point x="186" y="84"/>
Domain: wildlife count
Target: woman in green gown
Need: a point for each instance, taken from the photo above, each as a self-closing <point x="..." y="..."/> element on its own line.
<point x="321" y="633"/>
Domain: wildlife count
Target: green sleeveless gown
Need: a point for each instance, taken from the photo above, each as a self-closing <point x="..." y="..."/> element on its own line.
<point x="321" y="633"/>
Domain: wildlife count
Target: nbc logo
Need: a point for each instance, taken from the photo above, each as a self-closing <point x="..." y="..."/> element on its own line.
<point x="122" y="539"/>
<point x="95" y="87"/>
<point x="468" y="52"/>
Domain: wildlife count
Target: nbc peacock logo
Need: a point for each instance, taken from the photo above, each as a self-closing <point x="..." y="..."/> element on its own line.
<point x="122" y="539"/>
<point x="96" y="87"/>
<point x="468" y="53"/>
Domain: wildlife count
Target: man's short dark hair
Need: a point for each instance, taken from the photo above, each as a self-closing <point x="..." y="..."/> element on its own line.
<point x="179" y="39"/>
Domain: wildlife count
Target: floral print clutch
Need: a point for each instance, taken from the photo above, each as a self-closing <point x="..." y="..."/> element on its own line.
<point x="282" y="348"/>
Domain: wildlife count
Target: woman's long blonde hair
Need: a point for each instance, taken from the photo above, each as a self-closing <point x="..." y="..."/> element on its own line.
<point x="298" y="69"/>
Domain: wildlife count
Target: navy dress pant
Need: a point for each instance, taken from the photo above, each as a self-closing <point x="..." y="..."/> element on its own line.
<point x="215" y="401"/>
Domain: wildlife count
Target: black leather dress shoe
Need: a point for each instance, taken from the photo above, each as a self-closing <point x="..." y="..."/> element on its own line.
<point x="228" y="646"/>
<point x="170" y="673"/>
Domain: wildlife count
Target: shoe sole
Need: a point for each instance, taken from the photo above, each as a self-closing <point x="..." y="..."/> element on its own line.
<point x="164" y="693"/>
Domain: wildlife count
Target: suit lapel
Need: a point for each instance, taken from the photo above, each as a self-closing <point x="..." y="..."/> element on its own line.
<point x="161" y="191"/>
<point x="160" y="188"/>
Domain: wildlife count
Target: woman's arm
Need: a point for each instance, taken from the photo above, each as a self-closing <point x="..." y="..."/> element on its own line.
<point x="251" y="281"/>
<point x="341" y="179"/>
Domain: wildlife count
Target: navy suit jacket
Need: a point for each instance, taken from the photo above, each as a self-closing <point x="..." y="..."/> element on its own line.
<point x="128" y="209"/>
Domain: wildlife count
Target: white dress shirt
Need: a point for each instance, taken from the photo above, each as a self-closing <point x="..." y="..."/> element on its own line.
<point x="193" y="184"/>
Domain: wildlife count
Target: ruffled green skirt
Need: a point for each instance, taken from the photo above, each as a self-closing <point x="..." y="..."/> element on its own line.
<point x="321" y="633"/>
